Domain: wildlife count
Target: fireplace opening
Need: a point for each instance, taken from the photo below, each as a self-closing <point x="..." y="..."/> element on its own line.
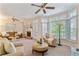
<point x="29" y="35"/>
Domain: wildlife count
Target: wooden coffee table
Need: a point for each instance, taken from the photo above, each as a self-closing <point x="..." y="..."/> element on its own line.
<point x="40" y="48"/>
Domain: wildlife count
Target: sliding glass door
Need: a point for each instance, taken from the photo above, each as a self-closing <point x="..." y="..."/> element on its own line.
<point x="54" y="29"/>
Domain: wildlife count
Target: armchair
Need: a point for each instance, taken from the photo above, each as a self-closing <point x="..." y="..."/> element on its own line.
<point x="50" y="40"/>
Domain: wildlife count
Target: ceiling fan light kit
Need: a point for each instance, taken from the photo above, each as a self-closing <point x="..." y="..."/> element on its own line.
<point x="14" y="19"/>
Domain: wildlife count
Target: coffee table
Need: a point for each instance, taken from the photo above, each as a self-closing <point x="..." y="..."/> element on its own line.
<point x="40" y="48"/>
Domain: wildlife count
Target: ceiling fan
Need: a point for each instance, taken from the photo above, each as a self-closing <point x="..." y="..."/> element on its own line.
<point x="42" y="7"/>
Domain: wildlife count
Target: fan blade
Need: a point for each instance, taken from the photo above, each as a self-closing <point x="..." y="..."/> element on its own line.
<point x="44" y="4"/>
<point x="50" y="7"/>
<point x="14" y="19"/>
<point x="37" y="11"/>
<point x="35" y="5"/>
<point x="44" y="11"/>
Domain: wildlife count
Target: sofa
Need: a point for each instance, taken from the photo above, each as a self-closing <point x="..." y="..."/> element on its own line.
<point x="19" y="50"/>
<point x="7" y="46"/>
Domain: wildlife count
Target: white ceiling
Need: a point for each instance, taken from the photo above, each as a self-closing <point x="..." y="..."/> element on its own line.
<point x="25" y="10"/>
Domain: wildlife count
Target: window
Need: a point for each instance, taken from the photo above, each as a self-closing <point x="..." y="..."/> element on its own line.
<point x="44" y="26"/>
<point x="73" y="29"/>
<point x="72" y="16"/>
<point x="35" y="28"/>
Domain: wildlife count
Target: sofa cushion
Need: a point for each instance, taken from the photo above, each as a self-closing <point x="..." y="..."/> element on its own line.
<point x="19" y="52"/>
<point x="17" y="44"/>
<point x="2" y="41"/>
<point x="9" y="47"/>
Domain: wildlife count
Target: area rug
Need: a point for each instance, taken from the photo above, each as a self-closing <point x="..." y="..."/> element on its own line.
<point x="57" y="51"/>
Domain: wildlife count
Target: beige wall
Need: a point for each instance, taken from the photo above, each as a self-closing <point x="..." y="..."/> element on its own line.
<point x="8" y="25"/>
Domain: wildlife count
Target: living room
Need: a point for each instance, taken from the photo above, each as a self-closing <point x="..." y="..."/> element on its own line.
<point x="39" y="29"/>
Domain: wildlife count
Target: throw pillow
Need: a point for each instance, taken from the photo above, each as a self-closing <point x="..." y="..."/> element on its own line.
<point x="2" y="51"/>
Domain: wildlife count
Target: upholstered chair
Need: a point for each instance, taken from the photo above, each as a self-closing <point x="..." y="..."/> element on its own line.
<point x="50" y="40"/>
